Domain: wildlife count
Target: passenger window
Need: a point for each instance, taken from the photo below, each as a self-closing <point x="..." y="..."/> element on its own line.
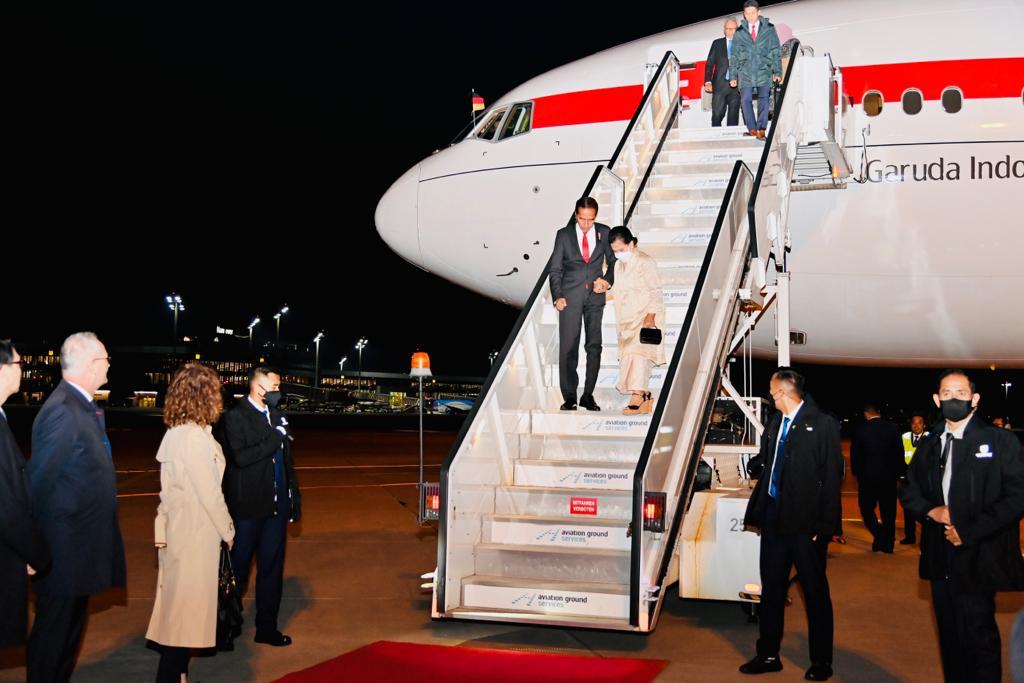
<point x="912" y="102"/>
<point x="490" y="127"/>
<point x="873" y="103"/>
<point x="518" y="121"/>
<point x="952" y="100"/>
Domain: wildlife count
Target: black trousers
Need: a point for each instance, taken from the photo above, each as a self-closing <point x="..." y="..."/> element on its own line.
<point x="968" y="634"/>
<point x="880" y="493"/>
<point x="909" y="523"/>
<point x="264" y="538"/>
<point x="580" y="315"/>
<point x="722" y="101"/>
<point x="55" y="637"/>
<point x="173" y="663"/>
<point x="779" y="554"/>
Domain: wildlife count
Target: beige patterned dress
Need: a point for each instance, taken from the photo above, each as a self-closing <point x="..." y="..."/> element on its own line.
<point x="637" y="292"/>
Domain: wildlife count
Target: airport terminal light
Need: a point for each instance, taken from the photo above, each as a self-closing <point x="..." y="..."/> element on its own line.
<point x="341" y="367"/>
<point x="421" y="369"/>
<point x="254" y="323"/>
<point x="176" y="305"/>
<point x="316" y="363"/>
<point x="1006" y="389"/>
<point x="493" y="356"/>
<point x="277" y="319"/>
<point x="360" y="345"/>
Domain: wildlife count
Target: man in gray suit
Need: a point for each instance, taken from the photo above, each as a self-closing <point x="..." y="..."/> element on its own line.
<point x="582" y="269"/>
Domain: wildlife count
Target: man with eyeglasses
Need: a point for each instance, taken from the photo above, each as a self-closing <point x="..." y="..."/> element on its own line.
<point x="965" y="485"/>
<point x="74" y="495"/>
<point x="22" y="549"/>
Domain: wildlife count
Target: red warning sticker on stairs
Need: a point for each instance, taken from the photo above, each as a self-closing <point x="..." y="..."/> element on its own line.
<point x="582" y="506"/>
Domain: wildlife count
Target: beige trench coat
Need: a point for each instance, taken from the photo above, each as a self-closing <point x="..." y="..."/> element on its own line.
<point x="637" y="292"/>
<point x="192" y="519"/>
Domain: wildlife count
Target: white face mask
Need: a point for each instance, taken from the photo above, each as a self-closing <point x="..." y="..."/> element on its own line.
<point x="623" y="256"/>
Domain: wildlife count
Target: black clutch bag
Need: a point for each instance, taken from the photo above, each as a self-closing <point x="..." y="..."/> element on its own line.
<point x="229" y="602"/>
<point x="650" y="335"/>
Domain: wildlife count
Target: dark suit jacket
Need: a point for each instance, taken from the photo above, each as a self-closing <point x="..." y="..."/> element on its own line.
<point x="572" y="277"/>
<point x="876" y="452"/>
<point x="250" y="443"/>
<point x="986" y="503"/>
<point x="74" y="495"/>
<point x="811" y="476"/>
<point x="21" y="542"/>
<point x="717" y="65"/>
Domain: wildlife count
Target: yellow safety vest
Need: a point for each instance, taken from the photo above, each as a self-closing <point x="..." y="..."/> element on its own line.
<point x="908" y="445"/>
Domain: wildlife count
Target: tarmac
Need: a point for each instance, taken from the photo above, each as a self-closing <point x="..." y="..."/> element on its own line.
<point x="352" y="578"/>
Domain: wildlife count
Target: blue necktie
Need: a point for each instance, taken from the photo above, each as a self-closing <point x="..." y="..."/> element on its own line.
<point x="728" y="50"/>
<point x="780" y="453"/>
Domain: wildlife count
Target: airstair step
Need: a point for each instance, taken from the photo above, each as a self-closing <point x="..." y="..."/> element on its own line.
<point x="552" y="563"/>
<point x="683" y="181"/>
<point x="608" y="377"/>
<point x="609" y="356"/>
<point x="555" y="501"/>
<point x="707" y="134"/>
<point x="687" y="237"/>
<point x="681" y="207"/>
<point x="587" y="474"/>
<point x="599" y="603"/>
<point x="674" y="313"/>
<point x="583" y="422"/>
<point x="571" y="532"/>
<point x="709" y="156"/>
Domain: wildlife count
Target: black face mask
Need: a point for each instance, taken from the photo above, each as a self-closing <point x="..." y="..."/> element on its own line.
<point x="956" y="409"/>
<point x="272" y="398"/>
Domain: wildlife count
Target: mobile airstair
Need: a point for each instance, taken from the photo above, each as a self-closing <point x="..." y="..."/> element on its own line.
<point x="570" y="518"/>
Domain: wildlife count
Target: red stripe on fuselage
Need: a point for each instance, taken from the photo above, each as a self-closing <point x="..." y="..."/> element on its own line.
<point x="976" y="78"/>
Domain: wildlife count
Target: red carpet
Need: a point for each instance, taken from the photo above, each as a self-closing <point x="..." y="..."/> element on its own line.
<point x="388" y="661"/>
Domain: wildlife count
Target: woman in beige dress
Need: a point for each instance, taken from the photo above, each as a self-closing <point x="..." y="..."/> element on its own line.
<point x="638" y="304"/>
<point x="191" y="522"/>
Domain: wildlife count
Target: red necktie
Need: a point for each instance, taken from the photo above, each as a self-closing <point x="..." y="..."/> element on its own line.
<point x="753" y="33"/>
<point x="586" y="249"/>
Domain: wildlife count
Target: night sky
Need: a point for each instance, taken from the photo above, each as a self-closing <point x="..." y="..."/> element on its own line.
<point x="234" y="153"/>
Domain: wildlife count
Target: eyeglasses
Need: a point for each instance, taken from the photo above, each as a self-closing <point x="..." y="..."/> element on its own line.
<point x="18" y="362"/>
<point x="106" y="358"/>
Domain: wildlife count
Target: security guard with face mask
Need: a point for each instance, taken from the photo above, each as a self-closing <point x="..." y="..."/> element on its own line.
<point x="966" y="487"/>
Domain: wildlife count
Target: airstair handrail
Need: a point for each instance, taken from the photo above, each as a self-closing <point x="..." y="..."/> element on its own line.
<point x="669" y="61"/>
<point x="666" y="430"/>
<point x="756" y="250"/>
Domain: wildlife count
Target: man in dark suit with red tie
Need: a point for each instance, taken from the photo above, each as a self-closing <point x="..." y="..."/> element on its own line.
<point x="74" y="496"/>
<point x="725" y="97"/>
<point x="581" y="269"/>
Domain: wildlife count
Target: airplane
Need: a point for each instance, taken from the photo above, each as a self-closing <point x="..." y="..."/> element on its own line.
<point x="917" y="263"/>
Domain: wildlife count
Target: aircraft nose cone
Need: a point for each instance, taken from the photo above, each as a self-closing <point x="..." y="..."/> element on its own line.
<point x="397" y="216"/>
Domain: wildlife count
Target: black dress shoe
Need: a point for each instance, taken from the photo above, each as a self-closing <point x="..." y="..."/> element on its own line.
<point x="819" y="672"/>
<point x="568" y="405"/>
<point x="761" y="665"/>
<point x="275" y="638"/>
<point x="908" y="541"/>
<point x="588" y="403"/>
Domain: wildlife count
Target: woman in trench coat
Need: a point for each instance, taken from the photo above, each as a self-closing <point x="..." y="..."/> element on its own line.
<point x="191" y="522"/>
<point x="638" y="304"/>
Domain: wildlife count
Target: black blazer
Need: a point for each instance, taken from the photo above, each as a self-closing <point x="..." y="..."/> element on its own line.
<point x="876" y="452"/>
<point x="717" y="66"/>
<point x="811" y="476"/>
<point x="21" y="542"/>
<point x="250" y="443"/>
<point x="986" y="494"/>
<point x="572" y="277"/>
<point x="74" y="496"/>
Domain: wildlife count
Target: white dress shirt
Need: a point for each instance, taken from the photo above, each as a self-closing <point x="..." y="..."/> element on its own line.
<point x="947" y="473"/>
<point x="591" y="239"/>
<point x="792" y="418"/>
<point x="83" y="392"/>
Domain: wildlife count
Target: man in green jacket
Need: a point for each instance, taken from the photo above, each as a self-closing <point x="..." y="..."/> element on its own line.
<point x="755" y="64"/>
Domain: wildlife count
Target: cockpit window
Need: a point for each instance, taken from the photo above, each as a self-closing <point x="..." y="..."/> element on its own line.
<point x="491" y="125"/>
<point x="518" y="121"/>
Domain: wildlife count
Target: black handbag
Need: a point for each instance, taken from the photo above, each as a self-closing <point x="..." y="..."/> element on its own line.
<point x="650" y="335"/>
<point x="229" y="602"/>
